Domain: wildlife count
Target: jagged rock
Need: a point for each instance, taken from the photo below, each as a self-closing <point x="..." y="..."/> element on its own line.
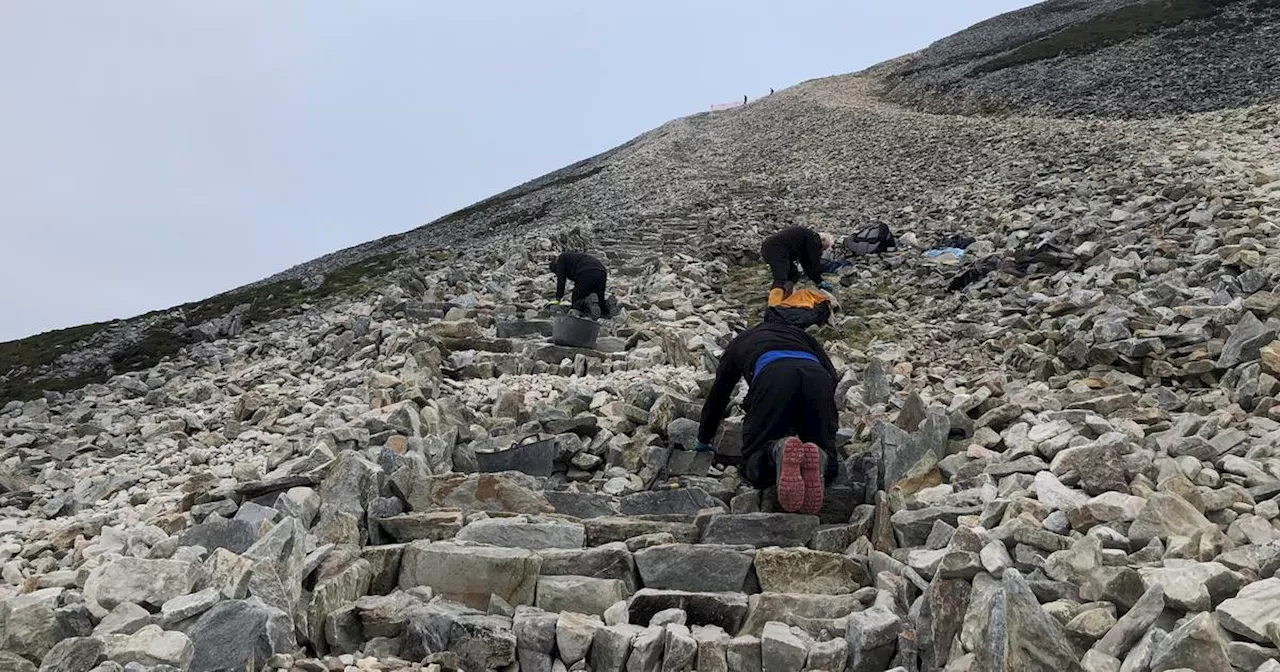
<point x="140" y="581"/>
<point x="471" y="574"/>
<point x="74" y="654"/>
<point x="1253" y="608"/>
<point x="149" y="646"/>
<point x="333" y="591"/>
<point x="668" y="616"/>
<point x="611" y="647"/>
<point x="679" y="648"/>
<point x="646" y="650"/>
<point x="29" y="625"/>
<point x="574" y="634"/>
<point x="913" y="526"/>
<point x="239" y="634"/>
<point x="1248" y="336"/>
<point x="781" y="650"/>
<point x="277" y="571"/>
<point x="694" y="567"/>
<point x="713" y="648"/>
<point x="1020" y="635"/>
<point x="872" y="637"/>
<point x="187" y="606"/>
<point x="483" y="642"/>
<point x="940" y="619"/>
<point x="832" y="654"/>
<point x="1194" y="644"/>
<point x="1133" y="624"/>
<point x="214" y="533"/>
<point x="908" y="457"/>
<point x="125" y="619"/>
<point x="385" y="563"/>
<point x="535" y="632"/>
<point x="16" y="663"/>
<point x="1193" y="586"/>
<point x="1166" y="514"/>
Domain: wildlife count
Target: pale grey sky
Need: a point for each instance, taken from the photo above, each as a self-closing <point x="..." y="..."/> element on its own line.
<point x="158" y="152"/>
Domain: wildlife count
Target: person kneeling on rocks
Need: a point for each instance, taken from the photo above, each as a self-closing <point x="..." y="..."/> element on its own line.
<point x="796" y="245"/>
<point x="788" y="435"/>
<point x="588" y="276"/>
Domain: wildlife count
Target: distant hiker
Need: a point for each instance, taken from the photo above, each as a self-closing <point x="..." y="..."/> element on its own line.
<point x="588" y="276"/>
<point x="771" y="90"/>
<point x="797" y="245"/>
<point x="744" y="100"/>
<point x="788" y="436"/>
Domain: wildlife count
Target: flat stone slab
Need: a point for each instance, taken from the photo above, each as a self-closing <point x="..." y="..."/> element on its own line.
<point x="760" y="529"/>
<point x="524" y="328"/>
<point x="694" y="567"/>
<point x="611" y="561"/>
<point x="582" y="504"/>
<point x="787" y="607"/>
<point x="471" y="574"/>
<point x="432" y="526"/>
<point x="687" y="501"/>
<point x="520" y="532"/>
<point x="610" y="529"/>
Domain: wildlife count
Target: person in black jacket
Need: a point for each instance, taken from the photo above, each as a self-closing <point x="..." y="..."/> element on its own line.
<point x="589" y="277"/>
<point x="788" y="436"/>
<point x="796" y="245"/>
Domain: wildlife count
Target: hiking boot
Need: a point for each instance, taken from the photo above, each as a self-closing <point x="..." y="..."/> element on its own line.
<point x="811" y="474"/>
<point x="790" y="483"/>
<point x="593" y="306"/>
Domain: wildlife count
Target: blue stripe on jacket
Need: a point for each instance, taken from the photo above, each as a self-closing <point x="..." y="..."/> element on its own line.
<point x="774" y="355"/>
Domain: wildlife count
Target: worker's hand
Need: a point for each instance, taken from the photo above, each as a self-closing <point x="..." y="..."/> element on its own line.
<point x="826" y="286"/>
<point x="702" y="447"/>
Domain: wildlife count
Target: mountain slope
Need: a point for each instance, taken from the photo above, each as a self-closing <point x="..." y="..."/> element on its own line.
<point x="1059" y="445"/>
<point x="1110" y="58"/>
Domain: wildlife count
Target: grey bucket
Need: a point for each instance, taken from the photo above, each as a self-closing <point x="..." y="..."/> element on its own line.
<point x="575" y="332"/>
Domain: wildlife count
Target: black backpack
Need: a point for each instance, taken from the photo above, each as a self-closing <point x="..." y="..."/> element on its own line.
<point x="874" y="239"/>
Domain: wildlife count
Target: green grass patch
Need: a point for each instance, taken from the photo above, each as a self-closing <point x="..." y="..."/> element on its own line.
<point x="1103" y="31"/>
<point x="280" y="298"/>
<point x="22" y="360"/>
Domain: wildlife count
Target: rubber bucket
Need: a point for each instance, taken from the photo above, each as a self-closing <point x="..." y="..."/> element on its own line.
<point x="575" y="332"/>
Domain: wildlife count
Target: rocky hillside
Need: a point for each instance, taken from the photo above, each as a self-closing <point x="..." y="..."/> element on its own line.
<point x="1061" y="444"/>
<point x="1100" y="58"/>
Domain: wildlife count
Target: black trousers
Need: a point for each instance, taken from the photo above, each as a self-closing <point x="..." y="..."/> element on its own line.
<point x="586" y="284"/>
<point x="790" y="397"/>
<point x="784" y="270"/>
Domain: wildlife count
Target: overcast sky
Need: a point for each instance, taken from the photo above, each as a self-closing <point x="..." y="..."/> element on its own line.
<point x="154" y="153"/>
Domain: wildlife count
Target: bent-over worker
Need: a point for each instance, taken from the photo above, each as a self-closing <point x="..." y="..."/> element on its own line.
<point x="796" y="245"/>
<point x="589" y="277"/>
<point x="788" y="436"/>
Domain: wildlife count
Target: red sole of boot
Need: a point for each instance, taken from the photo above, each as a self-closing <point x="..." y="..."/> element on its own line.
<point x="791" y="492"/>
<point x="811" y="473"/>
